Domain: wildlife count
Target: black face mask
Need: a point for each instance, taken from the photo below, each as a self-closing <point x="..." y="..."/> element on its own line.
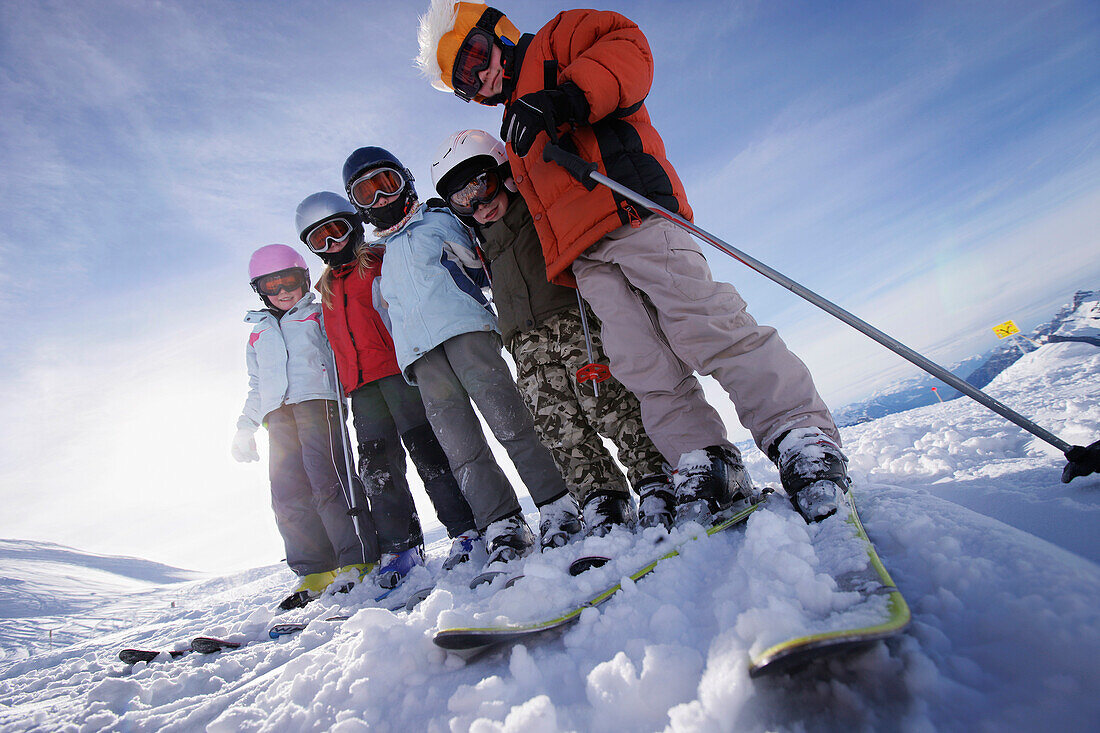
<point x="384" y="217"/>
<point x="347" y="254"/>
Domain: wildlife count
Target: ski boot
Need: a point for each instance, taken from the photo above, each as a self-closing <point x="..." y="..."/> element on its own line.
<point x="468" y="546"/>
<point x="508" y="539"/>
<point x="309" y="588"/>
<point x="559" y="522"/>
<point x="604" y="510"/>
<point x="708" y="481"/>
<point x="813" y="472"/>
<point x="656" y="501"/>
<point x="393" y="567"/>
<point x="348" y="575"/>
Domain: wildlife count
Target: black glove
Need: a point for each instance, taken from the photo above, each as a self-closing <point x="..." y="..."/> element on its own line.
<point x="542" y="111"/>
<point x="1081" y="461"/>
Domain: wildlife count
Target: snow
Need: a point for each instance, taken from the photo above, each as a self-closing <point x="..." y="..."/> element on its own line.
<point x="996" y="557"/>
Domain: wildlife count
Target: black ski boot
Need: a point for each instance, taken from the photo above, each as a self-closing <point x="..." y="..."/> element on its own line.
<point x="656" y="501"/>
<point x="508" y="539"/>
<point x="559" y="522"/>
<point x="604" y="510"/>
<point x="813" y="472"/>
<point x="708" y="481"/>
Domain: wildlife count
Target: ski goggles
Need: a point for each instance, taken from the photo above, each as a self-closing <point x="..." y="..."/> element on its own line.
<point x="472" y="58"/>
<point x="289" y="280"/>
<point x="320" y="238"/>
<point x="481" y="189"/>
<point x="376" y="183"/>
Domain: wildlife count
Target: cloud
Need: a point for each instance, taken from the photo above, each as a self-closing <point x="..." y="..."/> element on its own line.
<point x="883" y="155"/>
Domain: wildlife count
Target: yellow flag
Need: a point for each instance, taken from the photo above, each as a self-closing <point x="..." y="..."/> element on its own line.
<point x="1006" y="329"/>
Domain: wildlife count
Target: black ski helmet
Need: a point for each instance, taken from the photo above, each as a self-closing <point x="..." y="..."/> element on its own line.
<point x="367" y="158"/>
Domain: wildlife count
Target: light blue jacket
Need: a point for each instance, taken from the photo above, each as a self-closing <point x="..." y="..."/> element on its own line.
<point x="289" y="361"/>
<point x="431" y="283"/>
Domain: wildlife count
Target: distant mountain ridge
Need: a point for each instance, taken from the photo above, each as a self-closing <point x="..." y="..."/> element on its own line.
<point x="1078" y="320"/>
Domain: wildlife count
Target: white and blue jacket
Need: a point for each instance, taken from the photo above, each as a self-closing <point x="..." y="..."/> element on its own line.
<point x="289" y="361"/>
<point x="431" y="284"/>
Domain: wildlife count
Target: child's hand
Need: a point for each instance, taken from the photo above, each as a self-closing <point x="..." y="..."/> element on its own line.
<point x="542" y="111"/>
<point x="243" y="449"/>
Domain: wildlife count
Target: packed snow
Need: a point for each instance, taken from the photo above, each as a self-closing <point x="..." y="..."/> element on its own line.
<point x="995" y="556"/>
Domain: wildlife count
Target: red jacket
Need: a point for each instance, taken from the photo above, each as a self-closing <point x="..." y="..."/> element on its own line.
<point x="363" y="346"/>
<point x="608" y="57"/>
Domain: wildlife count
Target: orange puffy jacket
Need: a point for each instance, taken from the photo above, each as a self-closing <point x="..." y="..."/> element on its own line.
<point x="607" y="56"/>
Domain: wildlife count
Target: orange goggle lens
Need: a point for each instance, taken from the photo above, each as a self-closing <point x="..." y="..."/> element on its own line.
<point x="480" y="190"/>
<point x="270" y="285"/>
<point x="323" y="236"/>
<point x="472" y="59"/>
<point x="374" y="184"/>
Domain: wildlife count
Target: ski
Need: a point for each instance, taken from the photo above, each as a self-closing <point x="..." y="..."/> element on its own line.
<point x="489" y="576"/>
<point x="133" y="656"/>
<point x="477" y="638"/>
<point x="872" y="583"/>
<point x="403" y="603"/>
<point x="586" y="563"/>
<point x="289" y="629"/>
<point x="212" y="645"/>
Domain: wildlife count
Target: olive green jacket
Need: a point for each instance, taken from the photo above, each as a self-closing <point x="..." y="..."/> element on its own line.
<point x="524" y="298"/>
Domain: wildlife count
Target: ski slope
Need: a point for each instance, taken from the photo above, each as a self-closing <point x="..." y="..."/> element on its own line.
<point x="996" y="557"/>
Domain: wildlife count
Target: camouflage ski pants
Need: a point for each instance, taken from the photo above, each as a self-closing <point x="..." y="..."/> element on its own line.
<point x="570" y="419"/>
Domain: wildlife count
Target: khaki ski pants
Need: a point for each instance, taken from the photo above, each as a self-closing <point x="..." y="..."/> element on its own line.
<point x="664" y="318"/>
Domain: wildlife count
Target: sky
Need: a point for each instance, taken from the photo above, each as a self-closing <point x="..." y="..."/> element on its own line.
<point x="931" y="167"/>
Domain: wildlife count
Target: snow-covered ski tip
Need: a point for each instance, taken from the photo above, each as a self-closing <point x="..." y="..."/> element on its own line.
<point x="878" y="610"/>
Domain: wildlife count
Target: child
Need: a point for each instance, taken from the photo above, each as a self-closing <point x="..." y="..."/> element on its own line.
<point x="386" y="410"/>
<point x="541" y="326"/>
<point x="447" y="342"/>
<point x="292" y="391"/>
<point x="585" y="76"/>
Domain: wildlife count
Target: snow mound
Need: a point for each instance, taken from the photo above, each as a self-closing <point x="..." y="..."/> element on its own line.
<point x="996" y="557"/>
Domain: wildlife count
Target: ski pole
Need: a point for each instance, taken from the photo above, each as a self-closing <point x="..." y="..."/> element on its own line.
<point x="1081" y="460"/>
<point x="590" y="372"/>
<point x="355" y="511"/>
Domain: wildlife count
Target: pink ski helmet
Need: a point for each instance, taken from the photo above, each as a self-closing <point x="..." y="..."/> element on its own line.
<point x="274" y="258"/>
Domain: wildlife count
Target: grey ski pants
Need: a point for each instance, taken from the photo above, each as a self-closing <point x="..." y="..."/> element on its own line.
<point x="470" y="367"/>
<point x="664" y="317"/>
<point x="309" y="492"/>
<point x="386" y="413"/>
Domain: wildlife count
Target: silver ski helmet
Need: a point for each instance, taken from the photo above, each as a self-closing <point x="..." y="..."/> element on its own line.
<point x="326" y="218"/>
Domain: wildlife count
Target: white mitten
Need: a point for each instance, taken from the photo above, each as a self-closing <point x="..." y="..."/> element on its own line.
<point x="244" y="446"/>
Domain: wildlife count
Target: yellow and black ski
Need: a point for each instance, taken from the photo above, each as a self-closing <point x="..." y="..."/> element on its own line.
<point x="879" y="597"/>
<point x="478" y="638"/>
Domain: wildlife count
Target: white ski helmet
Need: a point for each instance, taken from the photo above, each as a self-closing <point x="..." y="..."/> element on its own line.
<point x="462" y="154"/>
